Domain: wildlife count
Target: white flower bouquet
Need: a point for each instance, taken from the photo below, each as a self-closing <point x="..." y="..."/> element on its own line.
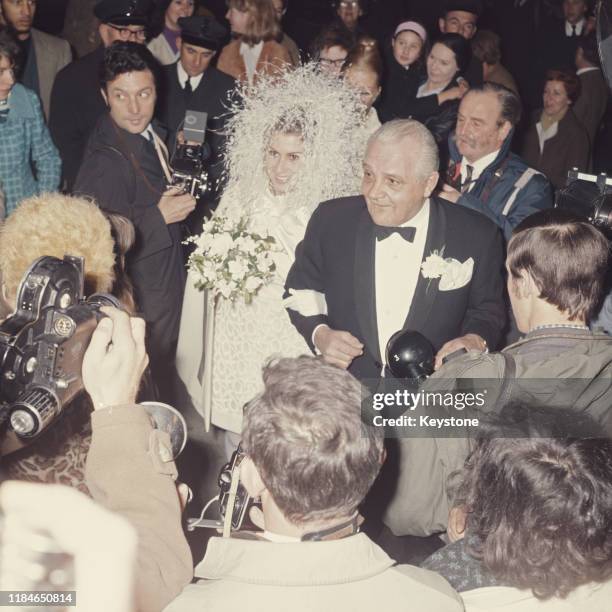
<point x="230" y="260"/>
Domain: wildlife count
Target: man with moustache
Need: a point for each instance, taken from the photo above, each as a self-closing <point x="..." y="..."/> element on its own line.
<point x="126" y="170"/>
<point x="396" y="258"/>
<point x="483" y="173"/>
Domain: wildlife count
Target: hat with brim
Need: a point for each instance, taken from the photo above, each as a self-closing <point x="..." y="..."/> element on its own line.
<point x="202" y="31"/>
<point x="123" y="12"/>
<point x="467" y="6"/>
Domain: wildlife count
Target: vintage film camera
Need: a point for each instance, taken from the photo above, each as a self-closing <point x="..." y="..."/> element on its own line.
<point x="42" y="345"/>
<point x="189" y="158"/>
<point x="233" y="500"/>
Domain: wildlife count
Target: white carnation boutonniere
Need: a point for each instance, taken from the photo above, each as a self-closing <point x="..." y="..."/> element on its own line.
<point x="452" y="273"/>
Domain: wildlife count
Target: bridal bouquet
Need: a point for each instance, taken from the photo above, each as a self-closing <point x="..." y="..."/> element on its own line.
<point x="230" y="260"/>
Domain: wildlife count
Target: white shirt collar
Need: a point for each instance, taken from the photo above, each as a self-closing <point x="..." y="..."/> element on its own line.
<point x="146" y="131"/>
<point x="183" y="76"/>
<point x="277" y="537"/>
<point x="420" y="219"/>
<point x="479" y="165"/>
<point x="587" y="69"/>
<point x="579" y="27"/>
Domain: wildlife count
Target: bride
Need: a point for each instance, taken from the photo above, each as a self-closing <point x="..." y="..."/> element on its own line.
<point x="295" y="142"/>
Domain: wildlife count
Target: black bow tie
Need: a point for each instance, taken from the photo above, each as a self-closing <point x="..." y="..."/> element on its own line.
<point x="407" y="233"/>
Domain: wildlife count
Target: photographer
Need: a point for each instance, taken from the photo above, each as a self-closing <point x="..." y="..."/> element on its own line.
<point x="311" y="461"/>
<point x="126" y="170"/>
<point x="130" y="472"/>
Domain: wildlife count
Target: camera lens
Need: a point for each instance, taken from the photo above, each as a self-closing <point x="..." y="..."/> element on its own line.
<point x="22" y="422"/>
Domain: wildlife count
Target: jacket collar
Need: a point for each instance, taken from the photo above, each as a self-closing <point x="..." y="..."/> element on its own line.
<point x="256" y="561"/>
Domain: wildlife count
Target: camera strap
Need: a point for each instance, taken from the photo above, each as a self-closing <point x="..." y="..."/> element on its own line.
<point x="162" y="154"/>
<point x="337" y="532"/>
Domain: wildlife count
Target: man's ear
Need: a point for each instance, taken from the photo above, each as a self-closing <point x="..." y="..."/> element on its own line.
<point x="250" y="478"/>
<point x="104" y="96"/>
<point x="431" y="183"/>
<point x="442" y="25"/>
<point x="179" y="42"/>
<point x="504" y="130"/>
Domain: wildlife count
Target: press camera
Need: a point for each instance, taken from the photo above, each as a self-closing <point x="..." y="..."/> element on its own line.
<point x="189" y="158"/>
<point x="43" y="342"/>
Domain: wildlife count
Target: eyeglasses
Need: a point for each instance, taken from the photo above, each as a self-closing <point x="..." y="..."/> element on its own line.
<point x="349" y="4"/>
<point x="127" y="34"/>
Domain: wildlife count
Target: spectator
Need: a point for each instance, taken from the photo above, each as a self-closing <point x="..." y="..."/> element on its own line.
<point x="81" y="26"/>
<point x="363" y="72"/>
<point x="437" y="98"/>
<point x="164" y="46"/>
<point x="590" y="106"/>
<point x="330" y="48"/>
<point x="557" y="267"/>
<point x="483" y="174"/>
<point x="311" y="461"/>
<point x="461" y="17"/>
<point x="76" y="101"/>
<point x="556" y="141"/>
<point x="486" y="47"/>
<point x="280" y="8"/>
<point x="42" y="55"/>
<point x="29" y="162"/>
<point x="256" y="48"/>
<point x="539" y="529"/>
<point x="405" y="65"/>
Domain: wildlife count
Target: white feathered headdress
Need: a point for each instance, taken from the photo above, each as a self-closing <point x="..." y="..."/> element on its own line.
<point x="331" y="121"/>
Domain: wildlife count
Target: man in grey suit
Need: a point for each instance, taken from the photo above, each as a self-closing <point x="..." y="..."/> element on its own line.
<point x="591" y="105"/>
<point x="44" y="55"/>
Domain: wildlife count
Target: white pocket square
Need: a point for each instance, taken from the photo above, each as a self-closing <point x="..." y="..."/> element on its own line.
<point x="456" y="274"/>
<point x="307" y="302"/>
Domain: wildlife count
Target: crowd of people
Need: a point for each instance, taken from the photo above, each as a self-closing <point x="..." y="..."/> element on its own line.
<point x="391" y="169"/>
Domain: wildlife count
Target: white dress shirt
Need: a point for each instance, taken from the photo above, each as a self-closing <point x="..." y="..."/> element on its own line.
<point x="478" y="166"/>
<point x="569" y="31"/>
<point x="397" y="268"/>
<point x="183" y="76"/>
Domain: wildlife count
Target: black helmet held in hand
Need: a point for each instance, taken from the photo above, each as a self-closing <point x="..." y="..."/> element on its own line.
<point x="409" y="354"/>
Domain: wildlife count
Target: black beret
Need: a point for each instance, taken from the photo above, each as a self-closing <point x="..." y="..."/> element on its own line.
<point x="123" y="12"/>
<point x="202" y="31"/>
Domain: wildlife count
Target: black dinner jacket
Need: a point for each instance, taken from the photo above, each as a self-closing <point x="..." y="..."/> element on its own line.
<point x="337" y="257"/>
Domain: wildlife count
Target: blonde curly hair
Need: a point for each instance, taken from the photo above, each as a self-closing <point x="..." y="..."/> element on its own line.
<point x="57" y="225"/>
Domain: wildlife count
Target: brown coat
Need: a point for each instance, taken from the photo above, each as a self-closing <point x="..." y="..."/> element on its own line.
<point x="591" y="105"/>
<point x="569" y="148"/>
<point x="274" y="58"/>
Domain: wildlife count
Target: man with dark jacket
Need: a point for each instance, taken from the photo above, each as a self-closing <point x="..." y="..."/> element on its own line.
<point x="483" y="173"/>
<point x="193" y="84"/>
<point x="396" y="258"/>
<point x="76" y="102"/>
<point x="126" y="170"/>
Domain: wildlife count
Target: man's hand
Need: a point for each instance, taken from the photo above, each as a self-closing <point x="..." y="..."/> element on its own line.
<point x="337" y="347"/>
<point x="469" y="342"/>
<point x="175" y="205"/>
<point x="115" y="360"/>
<point x="449" y="193"/>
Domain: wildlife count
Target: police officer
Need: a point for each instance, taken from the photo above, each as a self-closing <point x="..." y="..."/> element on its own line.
<point x="76" y="102"/>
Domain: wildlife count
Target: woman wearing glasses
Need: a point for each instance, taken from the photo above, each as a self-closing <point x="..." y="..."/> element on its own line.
<point x="256" y="49"/>
<point x="166" y="31"/>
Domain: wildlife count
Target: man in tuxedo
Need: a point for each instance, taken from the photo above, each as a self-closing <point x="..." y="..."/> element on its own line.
<point x="193" y="84"/>
<point x="396" y="258"/>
